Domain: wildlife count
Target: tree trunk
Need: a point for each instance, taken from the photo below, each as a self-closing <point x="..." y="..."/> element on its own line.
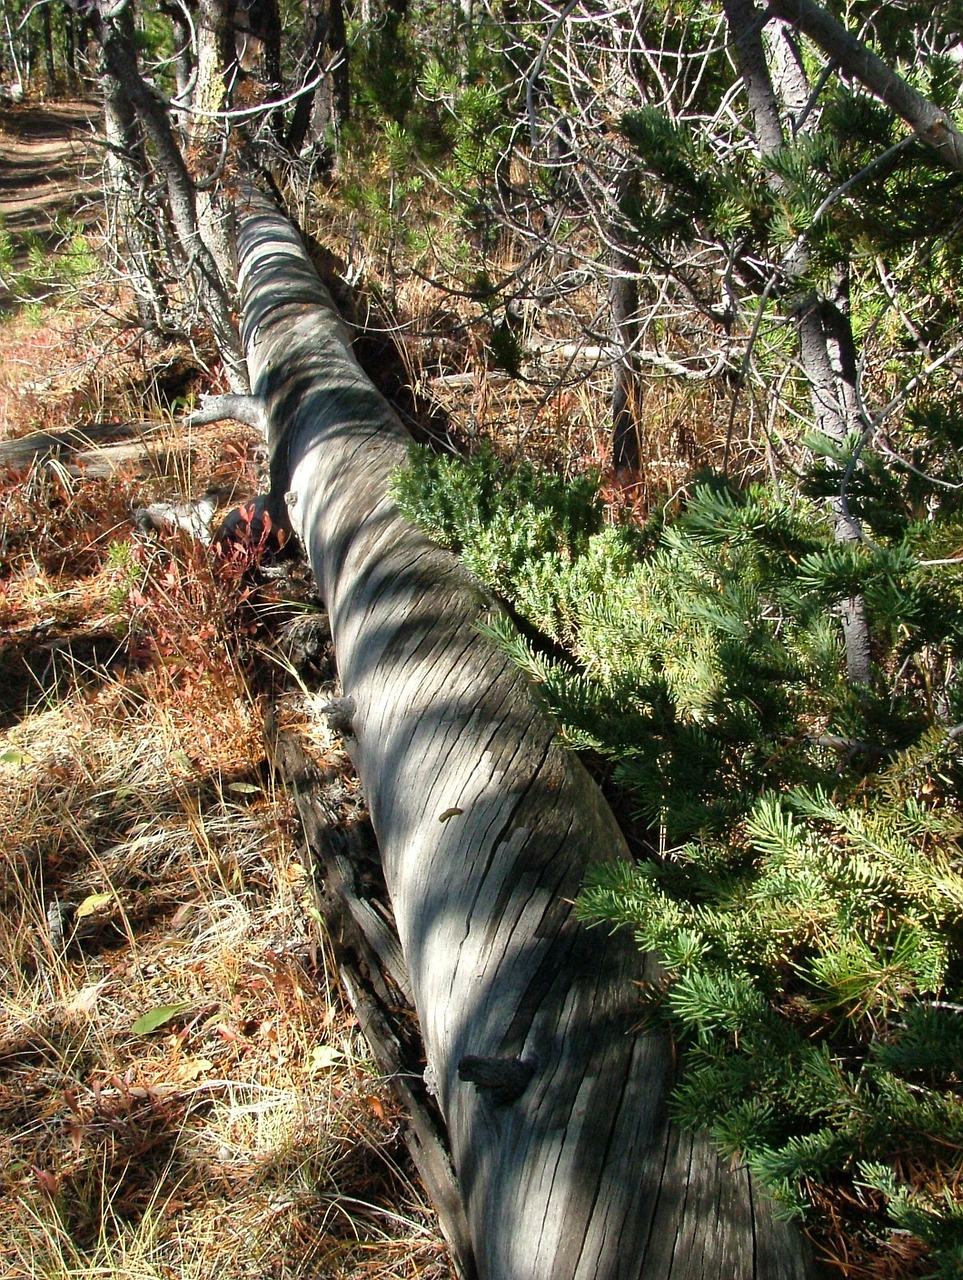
<point x="70" y="43"/>
<point x="121" y="62"/>
<point x="626" y="377"/>
<point x="216" y="74"/>
<point x="828" y="355"/>
<point x="627" y="385"/>
<point x="182" y="58"/>
<point x="553" y="1096"/>
<point x="827" y="349"/>
<point x="257" y="41"/>
<point x="126" y="177"/>
<point x="319" y="117"/>
<point x="216" y="65"/>
<point x="48" y="50"/>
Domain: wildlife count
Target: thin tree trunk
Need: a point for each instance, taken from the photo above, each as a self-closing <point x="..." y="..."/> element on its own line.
<point x="257" y="34"/>
<point x="826" y="344"/>
<point x="319" y="117"/>
<point x="627" y="384"/>
<point x="126" y="177"/>
<point x="828" y="355"/>
<point x="750" y="59"/>
<point x="48" y="49"/>
<point x="70" y="42"/>
<point x="18" y="89"/>
<point x="214" y="296"/>
<point x="627" y="390"/>
<point x="216" y="73"/>
<point x="183" y="58"/>
<point x="216" y="65"/>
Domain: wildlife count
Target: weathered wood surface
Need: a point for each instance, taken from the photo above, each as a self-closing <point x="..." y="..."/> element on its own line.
<point x="485" y="825"/>
<point x="373" y="974"/>
<point x="97" y="449"/>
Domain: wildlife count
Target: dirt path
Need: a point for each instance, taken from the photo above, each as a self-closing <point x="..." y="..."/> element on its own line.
<point x="48" y="165"/>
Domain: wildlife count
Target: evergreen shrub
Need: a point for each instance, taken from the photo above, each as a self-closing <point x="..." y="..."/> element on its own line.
<point x="802" y="880"/>
<point x="69" y="263"/>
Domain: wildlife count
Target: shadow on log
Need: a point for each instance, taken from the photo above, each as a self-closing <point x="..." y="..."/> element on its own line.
<point x="372" y="970"/>
<point x="554" y="1099"/>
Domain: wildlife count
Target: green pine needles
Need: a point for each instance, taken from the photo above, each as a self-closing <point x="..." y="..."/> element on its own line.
<point x="34" y="268"/>
<point x="803" y="887"/>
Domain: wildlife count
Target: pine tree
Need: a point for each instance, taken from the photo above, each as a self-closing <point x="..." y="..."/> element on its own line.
<point x="802" y="885"/>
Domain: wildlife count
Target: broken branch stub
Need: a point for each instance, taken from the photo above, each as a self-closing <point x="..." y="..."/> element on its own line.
<point x="554" y="1099"/>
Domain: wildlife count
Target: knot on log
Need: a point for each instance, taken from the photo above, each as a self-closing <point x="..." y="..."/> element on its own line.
<point x="339" y="713"/>
<point x="504" y="1080"/>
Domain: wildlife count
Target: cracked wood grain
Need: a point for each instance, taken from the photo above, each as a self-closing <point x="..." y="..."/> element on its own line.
<point x="373" y="975"/>
<point x="485" y="825"/>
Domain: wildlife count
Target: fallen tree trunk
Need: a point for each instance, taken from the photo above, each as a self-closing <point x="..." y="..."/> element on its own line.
<point x="554" y="1099"/>
<point x="372" y="971"/>
<point x="96" y="449"/>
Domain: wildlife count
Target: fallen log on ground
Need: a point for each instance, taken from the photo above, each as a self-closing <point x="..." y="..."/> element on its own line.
<point x="97" y="449"/>
<point x="553" y="1097"/>
<point x="372" y="970"/>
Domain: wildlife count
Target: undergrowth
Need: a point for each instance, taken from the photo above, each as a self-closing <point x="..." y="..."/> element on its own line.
<point x="33" y="270"/>
<point x="799" y="873"/>
<point x="183" y="1090"/>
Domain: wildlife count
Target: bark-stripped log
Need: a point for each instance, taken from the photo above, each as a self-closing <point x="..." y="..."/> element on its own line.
<point x="94" y="450"/>
<point x="554" y="1100"/>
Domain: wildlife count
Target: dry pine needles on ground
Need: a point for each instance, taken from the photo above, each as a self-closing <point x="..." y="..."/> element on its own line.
<point x="183" y="1090"/>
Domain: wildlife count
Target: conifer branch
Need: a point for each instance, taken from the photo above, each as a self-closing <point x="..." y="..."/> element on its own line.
<point x="931" y="123"/>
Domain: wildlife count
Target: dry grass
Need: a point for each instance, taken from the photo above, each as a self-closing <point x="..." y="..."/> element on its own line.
<point x="150" y="868"/>
<point x="246" y="1133"/>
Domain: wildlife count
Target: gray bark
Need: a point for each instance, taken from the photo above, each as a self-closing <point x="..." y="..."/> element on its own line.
<point x="257" y="41"/>
<point x="319" y="118"/>
<point x="791" y="82"/>
<point x="183" y="55"/>
<point x="627" y="389"/>
<point x="627" y="386"/>
<point x="742" y="17"/>
<point x="46" y="28"/>
<point x="214" y="408"/>
<point x="370" y="964"/>
<point x="94" y="449"/>
<point x="216" y="64"/>
<point x="126" y="179"/>
<point x="553" y="1096"/>
<point x="934" y="126"/>
<point x="121" y="62"/>
<point x="215" y="75"/>
<point x="826" y="344"/>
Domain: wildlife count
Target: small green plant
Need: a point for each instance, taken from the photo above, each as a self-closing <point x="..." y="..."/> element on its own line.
<point x="124" y="565"/>
<point x="802" y="886"/>
<point x="6" y="250"/>
<point x="65" y="265"/>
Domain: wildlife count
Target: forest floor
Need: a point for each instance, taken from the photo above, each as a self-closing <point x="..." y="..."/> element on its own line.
<point x="47" y="161"/>
<point x="183" y="1090"/>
